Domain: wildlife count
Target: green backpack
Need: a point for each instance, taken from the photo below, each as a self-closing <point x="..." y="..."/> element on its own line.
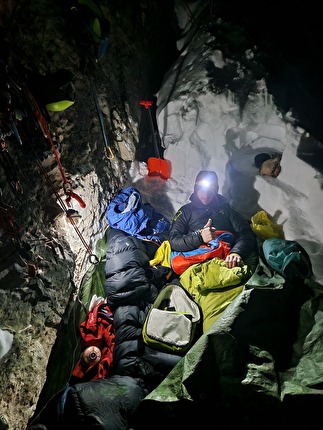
<point x="171" y="324"/>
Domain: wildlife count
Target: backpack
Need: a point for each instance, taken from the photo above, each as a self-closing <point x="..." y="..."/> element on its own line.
<point x="287" y="257"/>
<point x="172" y="321"/>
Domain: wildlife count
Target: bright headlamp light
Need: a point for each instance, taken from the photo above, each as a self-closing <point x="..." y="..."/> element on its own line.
<point x="204" y="183"/>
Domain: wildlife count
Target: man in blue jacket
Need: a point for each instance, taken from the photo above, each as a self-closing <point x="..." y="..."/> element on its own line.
<point x="196" y="222"/>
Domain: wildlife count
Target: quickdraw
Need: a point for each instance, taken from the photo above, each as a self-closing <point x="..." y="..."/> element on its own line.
<point x="108" y="152"/>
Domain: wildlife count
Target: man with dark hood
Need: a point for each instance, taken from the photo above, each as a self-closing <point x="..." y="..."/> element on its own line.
<point x="196" y="222"/>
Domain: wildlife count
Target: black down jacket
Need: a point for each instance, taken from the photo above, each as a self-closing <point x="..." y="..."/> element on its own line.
<point x="130" y="289"/>
<point x="184" y="233"/>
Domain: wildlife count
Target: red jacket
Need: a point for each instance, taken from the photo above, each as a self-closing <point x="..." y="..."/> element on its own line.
<point x="97" y="330"/>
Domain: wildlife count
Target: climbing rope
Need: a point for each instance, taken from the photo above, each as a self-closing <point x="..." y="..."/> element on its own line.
<point x="92" y="257"/>
<point x="21" y="88"/>
<point x="46" y="132"/>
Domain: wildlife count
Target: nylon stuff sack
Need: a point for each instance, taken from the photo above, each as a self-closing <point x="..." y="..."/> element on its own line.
<point x="287" y="257"/>
<point x="172" y="322"/>
<point x="264" y="227"/>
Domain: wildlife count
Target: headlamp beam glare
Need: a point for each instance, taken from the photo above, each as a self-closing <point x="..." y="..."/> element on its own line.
<point x="204" y="183"/>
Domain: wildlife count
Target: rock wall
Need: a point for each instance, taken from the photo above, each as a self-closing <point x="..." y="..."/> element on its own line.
<point x="44" y="253"/>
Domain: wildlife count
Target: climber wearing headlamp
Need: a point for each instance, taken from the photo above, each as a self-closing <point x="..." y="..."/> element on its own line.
<point x="197" y="222"/>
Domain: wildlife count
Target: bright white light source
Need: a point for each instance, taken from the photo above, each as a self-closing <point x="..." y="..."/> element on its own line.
<point x="204" y="183"/>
